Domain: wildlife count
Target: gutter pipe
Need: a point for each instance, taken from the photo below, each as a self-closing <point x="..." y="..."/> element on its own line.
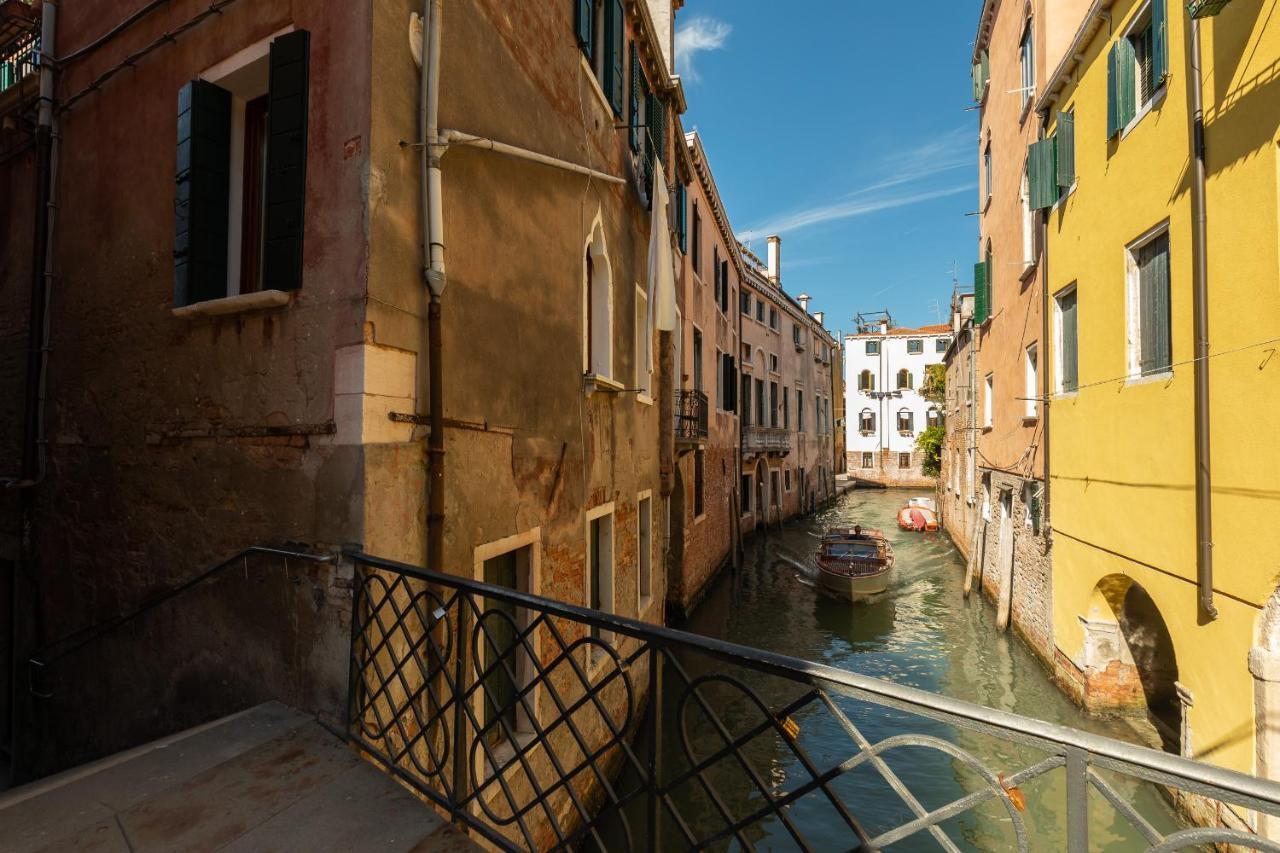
<point x="1200" y="311"/>
<point x="433" y="272"/>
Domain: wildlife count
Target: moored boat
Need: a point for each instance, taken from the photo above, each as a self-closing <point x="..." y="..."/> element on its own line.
<point x="919" y="514"/>
<point x="854" y="563"/>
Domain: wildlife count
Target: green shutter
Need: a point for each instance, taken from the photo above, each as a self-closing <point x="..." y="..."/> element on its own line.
<point x="980" y="307"/>
<point x="1066" y="135"/>
<point x="1205" y="8"/>
<point x="1127" y="83"/>
<point x="1113" y="99"/>
<point x="657" y="113"/>
<point x="1159" y="41"/>
<point x="981" y="75"/>
<point x="614" y="56"/>
<point x="582" y="24"/>
<point x="682" y="221"/>
<point x="637" y="81"/>
<point x="1042" y="173"/>
<point x="203" y="180"/>
<point x="286" y="172"/>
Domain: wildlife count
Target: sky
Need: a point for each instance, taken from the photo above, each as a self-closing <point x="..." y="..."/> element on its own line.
<point x="841" y="126"/>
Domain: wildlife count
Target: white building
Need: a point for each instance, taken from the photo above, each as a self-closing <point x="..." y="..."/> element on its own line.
<point x="884" y="410"/>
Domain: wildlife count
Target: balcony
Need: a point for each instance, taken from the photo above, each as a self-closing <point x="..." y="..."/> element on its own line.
<point x="690" y="417"/>
<point x="758" y="439"/>
<point x="19" y="43"/>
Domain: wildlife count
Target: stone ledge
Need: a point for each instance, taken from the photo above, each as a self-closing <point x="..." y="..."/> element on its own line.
<point x="237" y="304"/>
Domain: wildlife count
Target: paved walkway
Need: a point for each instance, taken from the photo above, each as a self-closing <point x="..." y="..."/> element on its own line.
<point x="267" y="779"/>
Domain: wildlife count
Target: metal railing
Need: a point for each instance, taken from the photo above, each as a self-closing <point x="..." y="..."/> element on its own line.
<point x="539" y="724"/>
<point x="691" y="416"/>
<point x="18" y="58"/>
<point x="759" y="439"/>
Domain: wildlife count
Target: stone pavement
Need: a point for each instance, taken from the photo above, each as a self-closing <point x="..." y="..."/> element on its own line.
<point x="266" y="779"/>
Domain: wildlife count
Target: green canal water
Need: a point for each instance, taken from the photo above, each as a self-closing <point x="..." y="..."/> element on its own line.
<point x="921" y="633"/>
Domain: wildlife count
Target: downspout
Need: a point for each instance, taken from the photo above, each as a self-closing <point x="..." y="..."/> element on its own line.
<point x="1045" y="348"/>
<point x="1200" y="286"/>
<point x="33" y="446"/>
<point x="433" y="272"/>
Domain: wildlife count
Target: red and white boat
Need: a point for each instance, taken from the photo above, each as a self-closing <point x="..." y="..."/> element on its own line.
<point x="919" y="514"/>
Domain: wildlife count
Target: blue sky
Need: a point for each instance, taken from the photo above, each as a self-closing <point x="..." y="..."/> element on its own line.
<point x="841" y="126"/>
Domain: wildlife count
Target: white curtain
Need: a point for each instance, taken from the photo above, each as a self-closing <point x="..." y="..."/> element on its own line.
<point x="662" y="280"/>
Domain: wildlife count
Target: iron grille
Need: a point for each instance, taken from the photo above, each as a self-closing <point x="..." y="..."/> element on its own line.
<point x="691" y="416"/>
<point x="543" y="725"/>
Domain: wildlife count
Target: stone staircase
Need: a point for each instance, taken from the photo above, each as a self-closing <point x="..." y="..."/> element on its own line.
<point x="266" y="779"/>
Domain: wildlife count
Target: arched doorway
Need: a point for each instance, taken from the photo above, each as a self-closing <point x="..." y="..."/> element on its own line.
<point x="1264" y="665"/>
<point x="1130" y="663"/>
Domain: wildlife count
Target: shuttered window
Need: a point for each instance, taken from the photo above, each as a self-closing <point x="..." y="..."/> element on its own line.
<point x="729" y="370"/>
<point x="637" y="80"/>
<point x="1068" y="366"/>
<point x="583" y="24"/>
<point x="981" y="75"/>
<point x="203" y="190"/>
<point x="1121" y="101"/>
<point x="1137" y="66"/>
<point x="982" y="290"/>
<point x="1066" y="151"/>
<point x="682" y="217"/>
<point x="1042" y="172"/>
<point x="1154" y="345"/>
<point x="615" y="39"/>
<point x="286" y="160"/>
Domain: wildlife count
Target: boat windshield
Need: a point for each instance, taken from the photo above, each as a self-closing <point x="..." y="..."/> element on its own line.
<point x="854" y="550"/>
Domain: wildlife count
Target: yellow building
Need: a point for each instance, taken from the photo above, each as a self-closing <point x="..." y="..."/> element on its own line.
<point x="1118" y="179"/>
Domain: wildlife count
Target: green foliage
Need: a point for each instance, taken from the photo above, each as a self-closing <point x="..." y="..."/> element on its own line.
<point x="930" y="441"/>
<point x="934" y="387"/>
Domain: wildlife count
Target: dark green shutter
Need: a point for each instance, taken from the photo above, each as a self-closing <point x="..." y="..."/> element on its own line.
<point x="981" y="73"/>
<point x="1159" y="42"/>
<point x="682" y="219"/>
<point x="637" y="79"/>
<point x="286" y="160"/>
<point x="1066" y="135"/>
<point x="1113" y="91"/>
<point x="1042" y="173"/>
<point x="615" y="39"/>
<point x="583" y="25"/>
<point x="1126" y="84"/>
<point x="657" y="112"/>
<point x="980" y="307"/>
<point x="203" y="179"/>
<point x="1070" y="350"/>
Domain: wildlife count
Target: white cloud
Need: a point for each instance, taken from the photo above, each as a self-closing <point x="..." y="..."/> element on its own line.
<point x="694" y="36"/>
<point x="902" y="173"/>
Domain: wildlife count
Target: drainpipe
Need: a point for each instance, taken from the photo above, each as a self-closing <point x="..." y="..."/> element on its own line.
<point x="1043" y="355"/>
<point x="1204" y="493"/>
<point x="433" y="272"/>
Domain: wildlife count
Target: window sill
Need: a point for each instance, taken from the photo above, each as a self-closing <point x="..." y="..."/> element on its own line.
<point x="1062" y="199"/>
<point x="1026" y="108"/>
<point x="1066" y="395"/>
<point x="237" y="304"/>
<point x="987" y="428"/>
<point x="1157" y="97"/>
<point x="1149" y="379"/>
<point x="596" y="382"/>
<point x="1030" y="420"/>
<point x="1028" y="270"/>
<point x="698" y="519"/>
<point x="646" y="602"/>
<point x="644" y="399"/>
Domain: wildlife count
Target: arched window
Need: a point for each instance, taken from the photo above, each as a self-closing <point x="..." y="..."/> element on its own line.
<point x="933" y="417"/>
<point x="905" y="380"/>
<point x="598" y="298"/>
<point x="906" y="422"/>
<point x="866" y="422"/>
<point x="866" y="381"/>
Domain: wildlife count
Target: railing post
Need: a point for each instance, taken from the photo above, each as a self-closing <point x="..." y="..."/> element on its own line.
<point x="461" y="770"/>
<point x="1077" y="800"/>
<point x="354" y="666"/>
<point x="655" y="744"/>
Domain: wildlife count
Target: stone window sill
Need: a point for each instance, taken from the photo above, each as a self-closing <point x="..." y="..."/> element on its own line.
<point x="596" y="382"/>
<point x="237" y="304"/>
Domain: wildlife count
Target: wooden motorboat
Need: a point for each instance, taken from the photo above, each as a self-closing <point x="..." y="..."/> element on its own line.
<point x="919" y="514"/>
<point x="854" y="563"/>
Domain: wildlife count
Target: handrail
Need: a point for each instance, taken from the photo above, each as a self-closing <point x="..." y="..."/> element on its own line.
<point x="58" y="649"/>
<point x="1140" y="761"/>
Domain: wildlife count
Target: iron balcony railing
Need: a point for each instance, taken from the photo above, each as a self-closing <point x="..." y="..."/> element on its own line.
<point x="19" y="52"/>
<point x="759" y="439"/>
<point x="541" y="725"/>
<point x="691" y="416"/>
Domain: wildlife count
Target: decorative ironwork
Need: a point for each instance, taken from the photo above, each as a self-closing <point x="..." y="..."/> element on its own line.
<point x="759" y="439"/>
<point x="691" y="416"/>
<point x="578" y="728"/>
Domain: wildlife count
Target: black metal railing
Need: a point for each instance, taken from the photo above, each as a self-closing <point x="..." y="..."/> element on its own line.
<point x="691" y="416"/>
<point x="542" y="725"/>
<point x="759" y="439"/>
<point x="19" y="57"/>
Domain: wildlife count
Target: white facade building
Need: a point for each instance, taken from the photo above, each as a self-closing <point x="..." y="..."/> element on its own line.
<point x="884" y="410"/>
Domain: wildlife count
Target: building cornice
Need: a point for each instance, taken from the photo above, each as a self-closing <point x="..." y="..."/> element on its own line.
<point x="1098" y="13"/>
<point x="651" y="55"/>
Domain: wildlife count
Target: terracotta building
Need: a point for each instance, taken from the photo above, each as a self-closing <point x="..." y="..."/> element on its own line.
<point x="959" y="451"/>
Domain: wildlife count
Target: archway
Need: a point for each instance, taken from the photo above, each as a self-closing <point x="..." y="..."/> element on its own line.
<point x="1264" y="665"/>
<point x="1130" y="663"/>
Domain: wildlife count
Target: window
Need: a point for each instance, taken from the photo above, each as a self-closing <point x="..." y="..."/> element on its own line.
<point x="643" y="342"/>
<point x="644" y="543"/>
<point x="773" y="319"/>
<point x="599" y="306"/>
<point x="932" y="417"/>
<point x="241" y="152"/>
<point x="715" y="273"/>
<point x="1028" y="218"/>
<point x="698" y="485"/>
<point x="786" y="409"/>
<point x="746" y="493"/>
<point x="866" y="381"/>
<point x="746" y="400"/>
<point x="904" y="460"/>
<point x="796" y="336"/>
<point x="986" y="170"/>
<point x="696" y="254"/>
<point x="905" y="381"/>
<point x="799" y="410"/>
<point x="601" y="36"/>
<point x="941" y="344"/>
<point x="759" y="393"/>
<point x="724" y="286"/>
<point x="745" y="299"/>
<point x="773" y="487"/>
<point x="697" y="359"/>
<point x="866" y="460"/>
<point x="728" y="382"/>
<point x="682" y="215"/>
<point x="988" y="389"/>
<point x="1150" y="348"/>
<point x="1137" y="66"/>
<point x="906" y="422"/>
<point x="600" y="565"/>
<point x="866" y="422"/>
<point x="915" y="346"/>
<point x="820" y="421"/>
<point x="786" y="479"/>
<point x="1065" y="327"/>
<point x="760" y="310"/>
<point x="720" y="392"/>
<point x="773" y="363"/>
<point x="1027" y="57"/>
<point x="1032" y="390"/>
<point x="873" y="347"/>
<point x="504" y="657"/>
<point x="773" y="404"/>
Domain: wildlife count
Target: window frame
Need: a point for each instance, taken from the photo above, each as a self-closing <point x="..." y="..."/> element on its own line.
<point x="1133" y="306"/>
<point x="596" y="657"/>
<point x="1060" y="342"/>
<point x="644" y="557"/>
<point x="872" y="348"/>
<point x="988" y="391"/>
<point x="915" y="346"/>
<point x="1031" y="376"/>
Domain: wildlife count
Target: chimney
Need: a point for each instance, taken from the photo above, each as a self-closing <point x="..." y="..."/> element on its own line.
<point x="818" y="316"/>
<point x="803" y="299"/>
<point x="775" y="258"/>
<point x="884" y="327"/>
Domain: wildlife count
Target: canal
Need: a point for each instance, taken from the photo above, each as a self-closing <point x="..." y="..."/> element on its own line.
<point x="922" y="633"/>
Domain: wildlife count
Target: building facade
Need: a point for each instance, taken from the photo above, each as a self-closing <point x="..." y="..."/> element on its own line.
<point x="956" y="491"/>
<point x="884" y="405"/>
<point x="1165" y="595"/>
<point x="1015" y="48"/>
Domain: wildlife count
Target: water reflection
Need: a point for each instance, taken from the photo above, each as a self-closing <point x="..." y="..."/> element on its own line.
<point x="921" y="632"/>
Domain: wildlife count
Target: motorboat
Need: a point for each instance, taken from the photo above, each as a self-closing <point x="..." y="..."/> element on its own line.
<point x="853" y="563"/>
<point x="919" y="514"/>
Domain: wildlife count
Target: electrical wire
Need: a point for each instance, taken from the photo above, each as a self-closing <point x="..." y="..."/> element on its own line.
<point x="80" y="53"/>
